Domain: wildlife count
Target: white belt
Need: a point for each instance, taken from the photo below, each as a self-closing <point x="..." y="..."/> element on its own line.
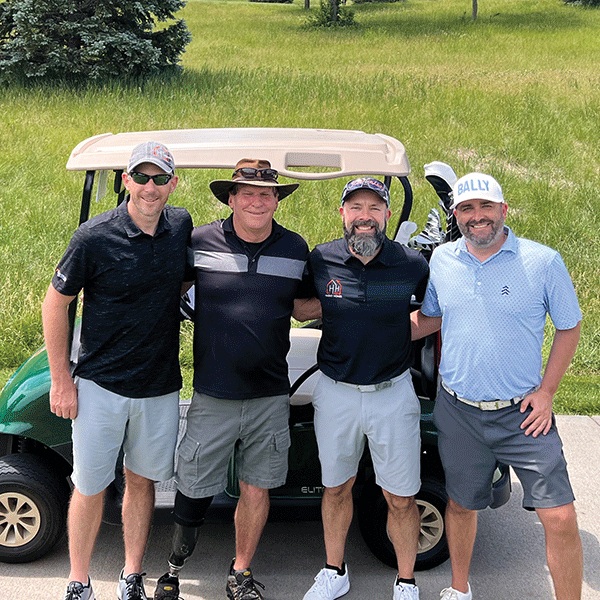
<point x="490" y="404"/>
<point x="375" y="387"/>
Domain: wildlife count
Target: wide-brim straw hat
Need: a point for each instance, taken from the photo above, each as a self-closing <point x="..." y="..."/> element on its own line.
<point x="221" y="187"/>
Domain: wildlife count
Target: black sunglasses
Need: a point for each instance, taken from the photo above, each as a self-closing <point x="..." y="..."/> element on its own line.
<point x="251" y="173"/>
<point x="143" y="179"/>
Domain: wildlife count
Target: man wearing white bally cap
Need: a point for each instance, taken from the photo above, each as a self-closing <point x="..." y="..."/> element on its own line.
<point x="490" y="292"/>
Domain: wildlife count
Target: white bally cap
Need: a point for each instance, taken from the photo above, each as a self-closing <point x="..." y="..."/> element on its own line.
<point x="476" y="186"/>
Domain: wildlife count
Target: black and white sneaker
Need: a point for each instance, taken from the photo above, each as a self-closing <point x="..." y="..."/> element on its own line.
<point x="131" y="587"/>
<point x="77" y="591"/>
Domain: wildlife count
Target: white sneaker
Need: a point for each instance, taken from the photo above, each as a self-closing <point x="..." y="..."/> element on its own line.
<point x="452" y="594"/>
<point x="405" y="591"/>
<point x="328" y="585"/>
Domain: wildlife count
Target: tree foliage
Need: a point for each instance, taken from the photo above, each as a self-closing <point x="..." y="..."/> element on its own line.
<point x="89" y="39"/>
<point x="583" y="2"/>
<point x="331" y="14"/>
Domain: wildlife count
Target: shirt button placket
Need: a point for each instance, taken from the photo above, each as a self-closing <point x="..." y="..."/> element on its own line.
<point x="478" y="278"/>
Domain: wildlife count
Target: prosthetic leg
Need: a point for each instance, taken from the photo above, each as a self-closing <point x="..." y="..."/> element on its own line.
<point x="184" y="542"/>
<point x="189" y="516"/>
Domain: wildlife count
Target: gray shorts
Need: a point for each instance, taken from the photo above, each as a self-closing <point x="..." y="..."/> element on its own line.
<point x="346" y="417"/>
<point x="146" y="428"/>
<point x="471" y="441"/>
<point x="257" y="429"/>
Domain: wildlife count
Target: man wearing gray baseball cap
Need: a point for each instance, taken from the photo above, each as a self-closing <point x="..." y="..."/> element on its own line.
<point x="130" y="263"/>
<point x="490" y="292"/>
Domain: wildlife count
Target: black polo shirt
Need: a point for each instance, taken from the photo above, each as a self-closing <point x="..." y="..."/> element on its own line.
<point x="244" y="299"/>
<point x="366" y="310"/>
<point x="131" y="285"/>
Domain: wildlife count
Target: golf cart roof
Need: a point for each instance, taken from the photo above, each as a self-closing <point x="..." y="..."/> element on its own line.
<point x="324" y="153"/>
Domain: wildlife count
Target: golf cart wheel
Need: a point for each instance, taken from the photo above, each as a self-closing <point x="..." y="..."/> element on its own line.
<point x="33" y="508"/>
<point x="372" y="519"/>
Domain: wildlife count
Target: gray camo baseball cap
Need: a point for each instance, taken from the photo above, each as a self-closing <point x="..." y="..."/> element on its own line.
<point x="154" y="153"/>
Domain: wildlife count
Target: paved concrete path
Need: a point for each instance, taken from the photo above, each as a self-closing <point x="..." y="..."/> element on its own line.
<point x="508" y="561"/>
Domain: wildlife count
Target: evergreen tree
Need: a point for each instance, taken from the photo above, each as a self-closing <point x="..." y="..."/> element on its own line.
<point x="75" y="40"/>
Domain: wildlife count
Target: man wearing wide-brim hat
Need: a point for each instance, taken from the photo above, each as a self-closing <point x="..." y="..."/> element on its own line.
<point x="249" y="271"/>
<point x="251" y="172"/>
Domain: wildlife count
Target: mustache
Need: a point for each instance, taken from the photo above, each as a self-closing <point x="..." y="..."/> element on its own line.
<point x="363" y="222"/>
<point x="365" y="244"/>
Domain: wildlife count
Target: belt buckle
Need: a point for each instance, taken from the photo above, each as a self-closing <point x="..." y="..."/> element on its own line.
<point x="494" y="404"/>
<point x="383" y="385"/>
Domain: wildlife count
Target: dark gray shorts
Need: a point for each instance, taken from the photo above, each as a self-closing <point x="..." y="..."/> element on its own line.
<point x="215" y="427"/>
<point x="471" y="441"/>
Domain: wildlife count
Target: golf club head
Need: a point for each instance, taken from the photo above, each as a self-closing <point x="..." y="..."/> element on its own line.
<point x="442" y="177"/>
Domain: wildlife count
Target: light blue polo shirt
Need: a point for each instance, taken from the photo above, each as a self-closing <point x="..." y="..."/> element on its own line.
<point x="494" y="312"/>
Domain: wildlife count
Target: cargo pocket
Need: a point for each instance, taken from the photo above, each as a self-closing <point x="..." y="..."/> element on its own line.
<point x="280" y="444"/>
<point x="187" y="460"/>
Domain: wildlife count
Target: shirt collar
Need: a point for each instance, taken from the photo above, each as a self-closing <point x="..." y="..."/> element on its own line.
<point x="133" y="230"/>
<point x="510" y="245"/>
<point x="276" y="231"/>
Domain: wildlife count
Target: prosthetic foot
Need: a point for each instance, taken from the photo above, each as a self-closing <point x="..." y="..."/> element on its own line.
<point x="184" y="542"/>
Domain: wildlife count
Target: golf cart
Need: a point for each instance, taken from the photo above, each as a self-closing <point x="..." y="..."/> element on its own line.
<point x="35" y="445"/>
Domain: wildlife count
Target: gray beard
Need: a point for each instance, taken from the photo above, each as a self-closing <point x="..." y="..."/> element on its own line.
<point x="364" y="244"/>
<point x="496" y="233"/>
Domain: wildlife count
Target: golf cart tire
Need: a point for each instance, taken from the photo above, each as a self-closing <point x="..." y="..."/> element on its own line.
<point x="33" y="508"/>
<point x="372" y="519"/>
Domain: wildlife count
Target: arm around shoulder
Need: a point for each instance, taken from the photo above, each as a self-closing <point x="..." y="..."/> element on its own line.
<point x="421" y="325"/>
<point x="307" y="309"/>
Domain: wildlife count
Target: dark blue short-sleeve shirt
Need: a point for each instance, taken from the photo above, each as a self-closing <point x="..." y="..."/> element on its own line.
<point x="366" y="310"/>
<point x="244" y="299"/>
<point x="131" y="285"/>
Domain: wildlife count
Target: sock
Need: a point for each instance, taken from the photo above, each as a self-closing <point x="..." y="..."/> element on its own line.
<point x="341" y="571"/>
<point x="407" y="581"/>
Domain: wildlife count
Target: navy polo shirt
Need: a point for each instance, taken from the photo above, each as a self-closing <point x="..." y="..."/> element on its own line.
<point x="366" y="310"/>
<point x="244" y="299"/>
<point x="131" y="285"/>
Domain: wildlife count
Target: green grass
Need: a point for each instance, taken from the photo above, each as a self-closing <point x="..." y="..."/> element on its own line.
<point x="516" y="94"/>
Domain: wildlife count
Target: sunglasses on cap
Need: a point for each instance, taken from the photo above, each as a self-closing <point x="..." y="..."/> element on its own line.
<point x="367" y="183"/>
<point x="252" y="173"/>
<point x="143" y="179"/>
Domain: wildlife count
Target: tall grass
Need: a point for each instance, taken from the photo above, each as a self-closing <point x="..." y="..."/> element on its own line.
<point x="516" y="94"/>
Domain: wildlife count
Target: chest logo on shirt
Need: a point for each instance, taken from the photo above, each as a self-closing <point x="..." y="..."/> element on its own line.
<point x="334" y="289"/>
<point x="505" y="291"/>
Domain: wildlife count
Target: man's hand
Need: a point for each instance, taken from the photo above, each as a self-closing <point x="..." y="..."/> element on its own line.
<point x="306" y="309"/>
<point x="63" y="399"/>
<point x="539" y="419"/>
